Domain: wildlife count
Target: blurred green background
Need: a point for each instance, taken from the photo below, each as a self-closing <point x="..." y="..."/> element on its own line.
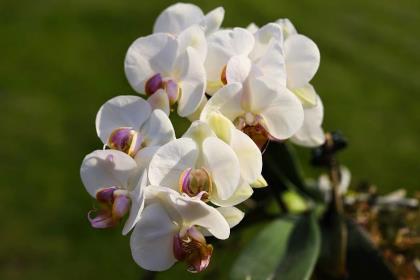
<point x="60" y="60"/>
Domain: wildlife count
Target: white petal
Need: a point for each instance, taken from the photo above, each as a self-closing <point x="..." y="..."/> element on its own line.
<point x="137" y="204"/>
<point x="223" y="166"/>
<point x="302" y="60"/>
<point x="213" y="20"/>
<point x="148" y="56"/>
<point x="221" y="126"/>
<point x="266" y="36"/>
<point x="193" y="82"/>
<point x="238" y="68"/>
<point x="268" y="55"/>
<point x="257" y="96"/>
<point x="252" y="27"/>
<point x="259" y="183"/>
<point x="237" y="41"/>
<point x="106" y="168"/>
<point x="242" y="193"/>
<point x="189" y="211"/>
<point x="232" y="215"/>
<point x="199" y="131"/>
<point x="160" y="100"/>
<point x="144" y="156"/>
<point x="196" y="212"/>
<point x="249" y="155"/>
<point x="217" y="58"/>
<point x="195" y="38"/>
<point x="284" y="116"/>
<point x="311" y="133"/>
<point x="222" y="45"/>
<point x="287" y="27"/>
<point x="225" y="101"/>
<point x="121" y="111"/>
<point x="152" y="239"/>
<point x="196" y="115"/>
<point x="158" y="129"/>
<point x="307" y="95"/>
<point x="177" y="18"/>
<point x="171" y="160"/>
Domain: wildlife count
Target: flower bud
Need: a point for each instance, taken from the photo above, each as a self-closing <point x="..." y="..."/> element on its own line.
<point x="196" y="181"/>
<point x="153" y="84"/>
<point x="125" y="139"/>
<point x="193" y="250"/>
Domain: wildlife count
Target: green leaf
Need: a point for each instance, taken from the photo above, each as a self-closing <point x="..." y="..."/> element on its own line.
<point x="302" y="250"/>
<point x="260" y="258"/>
<point x="364" y="261"/>
<point x="281" y="159"/>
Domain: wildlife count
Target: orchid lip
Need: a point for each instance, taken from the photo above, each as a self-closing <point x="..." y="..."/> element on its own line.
<point x="106" y="195"/>
<point x="125" y="139"/>
<point x="192" y="249"/>
<point x="172" y="90"/>
<point x="196" y="182"/>
<point x="154" y="84"/>
<point x="115" y="204"/>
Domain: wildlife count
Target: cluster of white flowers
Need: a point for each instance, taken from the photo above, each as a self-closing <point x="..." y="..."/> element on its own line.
<point x="240" y="88"/>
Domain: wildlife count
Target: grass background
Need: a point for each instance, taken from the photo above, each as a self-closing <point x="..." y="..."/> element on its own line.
<point x="60" y="60"/>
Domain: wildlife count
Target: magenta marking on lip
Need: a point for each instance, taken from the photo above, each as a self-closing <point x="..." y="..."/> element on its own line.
<point x="153" y="84"/>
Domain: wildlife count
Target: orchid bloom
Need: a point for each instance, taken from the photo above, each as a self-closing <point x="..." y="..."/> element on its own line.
<point x="117" y="183"/>
<point x="178" y="17"/>
<point x="302" y="59"/>
<point x="169" y="69"/>
<point x="235" y="54"/>
<point x="200" y="162"/>
<point x="128" y="124"/>
<point x="259" y="111"/>
<point x="169" y="230"/>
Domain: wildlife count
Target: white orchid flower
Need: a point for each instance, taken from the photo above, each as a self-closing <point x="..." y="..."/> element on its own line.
<point x="200" y="162"/>
<point x="169" y="231"/>
<point x="248" y="153"/>
<point x="128" y="123"/>
<point x="311" y="133"/>
<point x="169" y="69"/>
<point x="302" y="59"/>
<point x="117" y="183"/>
<point x="234" y="54"/>
<point x="178" y="17"/>
<point x="259" y="111"/>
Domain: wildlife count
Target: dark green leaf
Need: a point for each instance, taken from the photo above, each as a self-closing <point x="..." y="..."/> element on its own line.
<point x="260" y="258"/>
<point x="281" y="161"/>
<point x="364" y="261"/>
<point x="302" y="251"/>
